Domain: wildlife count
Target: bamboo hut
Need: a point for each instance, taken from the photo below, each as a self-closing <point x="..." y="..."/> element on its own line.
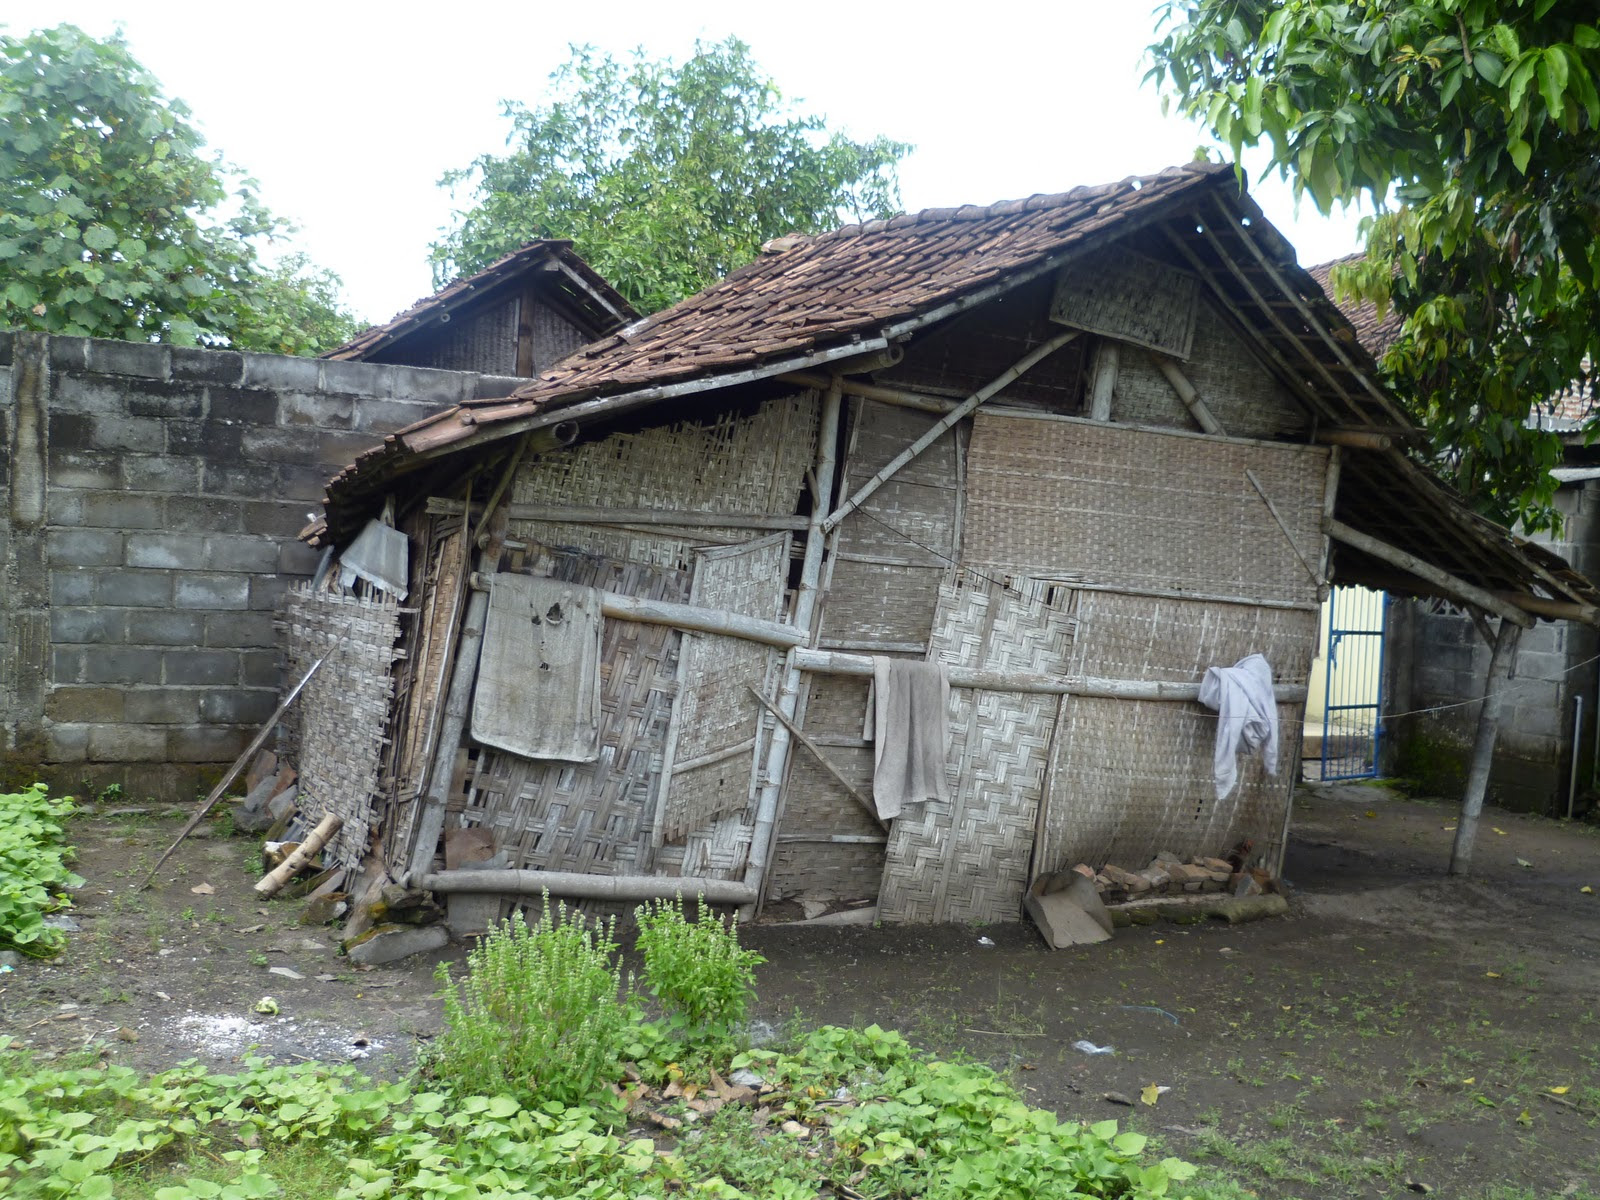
<point x="1074" y="449"/>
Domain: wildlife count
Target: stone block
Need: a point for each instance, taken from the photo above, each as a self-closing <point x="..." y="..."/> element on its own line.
<point x="64" y="507"/>
<point x="120" y="664"/>
<point x="297" y="558"/>
<point x="238" y="706"/>
<point x="195" y="667"/>
<point x="267" y="590"/>
<point x="178" y="403"/>
<point x="380" y="417"/>
<point x="260" y="669"/>
<point x="84" y="547"/>
<point x="253" y="480"/>
<point x="123" y="511"/>
<point x="212" y="591"/>
<point x="357" y="378"/>
<point x="147" y="360"/>
<point x="67" y="743"/>
<point x="121" y="433"/>
<point x="281" y="373"/>
<point x="133" y="587"/>
<point x="391" y="943"/>
<point x="1531" y="718"/>
<point x="88" y="626"/>
<point x="160" y="473"/>
<point x="79" y="705"/>
<point x="86" y="469"/>
<point x="208" y="366"/>
<point x="305" y="483"/>
<point x="316" y="409"/>
<point x="205" y="514"/>
<point x="172" y="551"/>
<point x="69" y="353"/>
<point x="127" y="743"/>
<point x="277" y="519"/>
<point x="492" y="387"/>
<point x="206" y="743"/>
<point x="157" y="627"/>
<point x="165" y="706"/>
<point x="213" y="441"/>
<point x="242" y="406"/>
<point x="235" y="630"/>
<point x="71" y="586"/>
<point x="71" y="430"/>
<point x="241" y="553"/>
<point x="434" y="388"/>
<point x="1062" y="922"/>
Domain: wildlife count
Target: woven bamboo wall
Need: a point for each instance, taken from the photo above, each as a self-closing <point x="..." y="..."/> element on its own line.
<point x="967" y="859"/>
<point x="1130" y="778"/>
<point x="1144" y="510"/>
<point x="343" y="713"/>
<point x="738" y="464"/>
<point x="593" y="817"/>
<point x="1245" y="399"/>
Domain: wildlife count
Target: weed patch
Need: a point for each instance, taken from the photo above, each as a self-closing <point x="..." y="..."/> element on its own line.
<point x="33" y="870"/>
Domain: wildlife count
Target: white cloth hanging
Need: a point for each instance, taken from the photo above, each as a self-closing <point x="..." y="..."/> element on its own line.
<point x="1247" y="714"/>
<point x="909" y="726"/>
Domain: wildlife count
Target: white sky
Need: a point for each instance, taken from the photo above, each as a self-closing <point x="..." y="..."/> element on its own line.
<point x="348" y="113"/>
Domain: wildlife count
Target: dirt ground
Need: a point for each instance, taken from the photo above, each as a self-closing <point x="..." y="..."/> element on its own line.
<point x="1400" y="1032"/>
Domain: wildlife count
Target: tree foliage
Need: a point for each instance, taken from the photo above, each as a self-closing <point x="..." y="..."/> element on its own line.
<point x="114" y="222"/>
<point x="1471" y="127"/>
<point x="666" y="176"/>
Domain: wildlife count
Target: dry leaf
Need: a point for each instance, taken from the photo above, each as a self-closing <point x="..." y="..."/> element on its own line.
<point x="1522" y="862"/>
<point x="1491" y="975"/>
<point x="1469" y="1080"/>
<point x="1559" y="1091"/>
<point x="1586" y="890"/>
<point x="203" y="889"/>
<point x="1524" y="1118"/>
<point x="1149" y="1094"/>
<point x="1498" y="830"/>
<point x="1372" y="812"/>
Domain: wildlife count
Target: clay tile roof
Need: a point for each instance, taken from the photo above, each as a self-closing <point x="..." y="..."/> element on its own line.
<point x="605" y="305"/>
<point x="1375" y="333"/>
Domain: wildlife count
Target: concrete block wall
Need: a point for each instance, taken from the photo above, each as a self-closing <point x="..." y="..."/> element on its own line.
<point x="153" y="499"/>
<point x="1444" y="665"/>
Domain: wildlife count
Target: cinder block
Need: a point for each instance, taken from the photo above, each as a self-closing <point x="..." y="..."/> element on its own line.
<point x="1540" y="665"/>
<point x="317" y="410"/>
<point x="201" y="668"/>
<point x="206" y="743"/>
<point x="128" y="433"/>
<point x="436" y="389"/>
<point x="64" y="507"/>
<point x="171" y="401"/>
<point x="261" y="669"/>
<point x="69" y="353"/>
<point x="127" y="743"/>
<point x="278" y="444"/>
<point x="176" y="551"/>
<point x="242" y="406"/>
<point x="215" y="441"/>
<point x="72" y="586"/>
<point x="205" y="514"/>
<point x="84" y="469"/>
<point x="71" y="430"/>
<point x="88" y="626"/>
<point x="208" y="366"/>
<point x="120" y="664"/>
<point x="225" y="592"/>
<point x="238" y="706"/>
<point x="123" y="511"/>
<point x="67" y="743"/>
<point x="147" y="360"/>
<point x="305" y="483"/>
<point x="280" y="373"/>
<point x="241" y="553"/>
<point x="84" y="704"/>
<point x="277" y="519"/>
<point x="267" y="590"/>
<point x="1536" y="716"/>
<point x="253" y="480"/>
<point x="66" y="664"/>
<point x="5" y="347"/>
<point x="158" y="627"/>
<point x="357" y="378"/>
<point x="239" y="629"/>
<point x="160" y="473"/>
<point x="165" y="706"/>
<point x="297" y="558"/>
<point x="133" y="587"/>
<point x="84" y="547"/>
<point x="381" y="417"/>
<point x="492" y="387"/>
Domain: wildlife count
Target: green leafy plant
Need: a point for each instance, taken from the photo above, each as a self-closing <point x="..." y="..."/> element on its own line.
<point x="33" y="869"/>
<point x="696" y="969"/>
<point x="543" y="1011"/>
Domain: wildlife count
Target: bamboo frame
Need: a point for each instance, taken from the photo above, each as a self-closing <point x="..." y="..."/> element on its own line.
<point x="272" y="882"/>
<point x="1457" y="589"/>
<point x="511" y="881"/>
<point x="816" y="752"/>
<point x="1189" y="395"/>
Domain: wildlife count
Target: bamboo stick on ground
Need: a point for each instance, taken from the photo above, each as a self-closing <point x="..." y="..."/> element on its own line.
<point x="319" y="837"/>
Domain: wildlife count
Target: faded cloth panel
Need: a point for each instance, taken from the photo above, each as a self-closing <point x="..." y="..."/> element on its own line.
<point x="909" y="727"/>
<point x="966" y="859"/>
<point x="343" y="714"/>
<point x="593" y="817"/>
<point x="1247" y="715"/>
<point x="538" y="690"/>
<point x="1083" y="501"/>
<point x="1130" y="778"/>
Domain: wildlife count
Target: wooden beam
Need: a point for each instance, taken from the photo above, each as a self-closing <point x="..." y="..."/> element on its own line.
<point x="899" y="397"/>
<point x="1456" y="589"/>
<point x="1102" y="379"/>
<point x="1501" y="662"/>
<point x="576" y="885"/>
<point x="1038" y="354"/>
<point x="828" y="662"/>
<point x="1355" y="439"/>
<point x="816" y="752"/>
<point x="1556" y="610"/>
<point x="1190" y="397"/>
<point x="524" y="365"/>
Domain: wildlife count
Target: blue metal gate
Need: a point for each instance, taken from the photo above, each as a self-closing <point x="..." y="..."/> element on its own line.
<point x="1352" y="711"/>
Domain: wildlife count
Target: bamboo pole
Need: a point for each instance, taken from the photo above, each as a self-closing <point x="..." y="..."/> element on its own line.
<point x="1330" y="503"/>
<point x="1501" y="662"/>
<point x="805" y="606"/>
<point x="1029" y="360"/>
<point x="273" y="880"/>
<point x="701" y="620"/>
<point x="1103" y="379"/>
<point x="511" y="881"/>
<point x="1456" y="589"/>
<point x="1282" y="525"/>
<point x="1189" y="395"/>
<point x="1558" y="610"/>
<point x="1354" y="439"/>
<point x="829" y="662"/>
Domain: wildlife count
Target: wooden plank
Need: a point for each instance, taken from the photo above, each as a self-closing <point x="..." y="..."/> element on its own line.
<point x="822" y="758"/>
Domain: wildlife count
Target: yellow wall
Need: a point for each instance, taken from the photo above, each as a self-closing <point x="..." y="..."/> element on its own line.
<point x="1359" y="608"/>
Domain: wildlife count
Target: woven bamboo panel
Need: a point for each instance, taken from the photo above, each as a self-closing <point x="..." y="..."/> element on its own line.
<point x="967" y="859"/>
<point x="1142" y="509"/>
<point x="753" y="464"/>
<point x="1133" y="778"/>
<point x="715" y="711"/>
<point x="1243" y="396"/>
<point x="825" y="870"/>
<point x="344" y="710"/>
<point x="1130" y="297"/>
<point x="593" y="817"/>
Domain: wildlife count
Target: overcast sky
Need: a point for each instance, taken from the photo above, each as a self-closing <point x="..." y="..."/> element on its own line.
<point x="348" y="113"/>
